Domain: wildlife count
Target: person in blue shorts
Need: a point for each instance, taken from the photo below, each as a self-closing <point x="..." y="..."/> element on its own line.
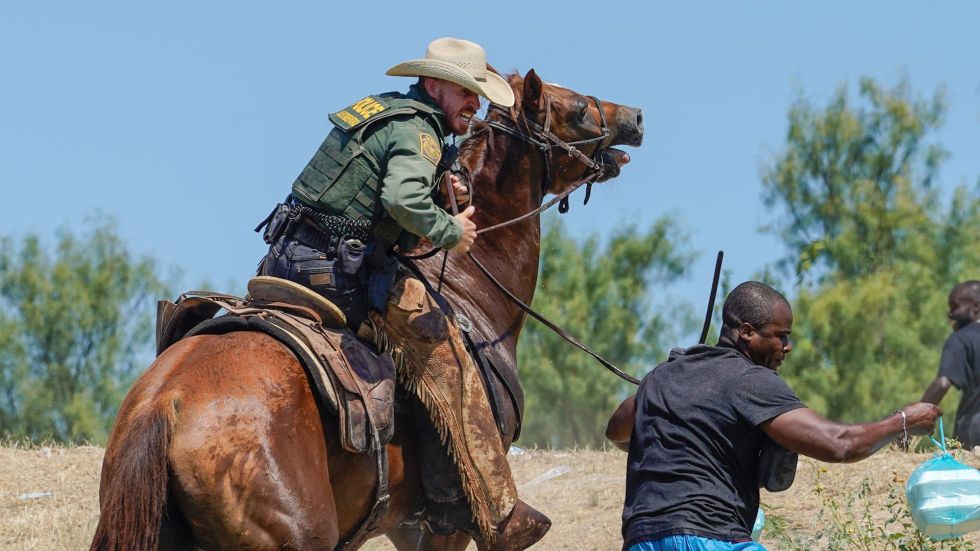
<point x="699" y="422"/>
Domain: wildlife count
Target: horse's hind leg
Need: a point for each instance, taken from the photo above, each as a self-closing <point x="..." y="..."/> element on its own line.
<point x="248" y="458"/>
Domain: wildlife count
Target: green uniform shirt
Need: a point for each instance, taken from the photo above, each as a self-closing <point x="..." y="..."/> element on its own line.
<point x="408" y="181"/>
<point x="402" y="152"/>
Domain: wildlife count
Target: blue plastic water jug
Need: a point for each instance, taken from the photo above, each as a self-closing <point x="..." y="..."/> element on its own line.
<point x="944" y="495"/>
<point x="760" y="523"/>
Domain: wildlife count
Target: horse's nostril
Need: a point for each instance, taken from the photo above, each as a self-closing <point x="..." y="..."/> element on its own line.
<point x="639" y="119"/>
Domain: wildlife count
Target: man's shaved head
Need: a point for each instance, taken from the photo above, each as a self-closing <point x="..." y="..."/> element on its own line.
<point x="964" y="304"/>
<point x="751" y="302"/>
<point x="968" y="289"/>
<point x="757" y="322"/>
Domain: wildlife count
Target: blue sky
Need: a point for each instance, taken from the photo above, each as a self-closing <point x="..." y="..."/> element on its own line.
<point x="187" y="121"/>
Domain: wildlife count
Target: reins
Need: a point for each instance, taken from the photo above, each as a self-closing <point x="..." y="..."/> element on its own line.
<point x="550" y="325"/>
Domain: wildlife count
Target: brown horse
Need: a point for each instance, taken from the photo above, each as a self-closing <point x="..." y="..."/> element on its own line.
<point x="220" y="444"/>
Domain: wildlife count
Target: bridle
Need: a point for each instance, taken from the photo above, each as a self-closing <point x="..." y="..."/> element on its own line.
<point x="546" y="141"/>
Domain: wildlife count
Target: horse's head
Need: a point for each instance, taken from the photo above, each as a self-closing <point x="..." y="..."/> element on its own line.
<point x="586" y="124"/>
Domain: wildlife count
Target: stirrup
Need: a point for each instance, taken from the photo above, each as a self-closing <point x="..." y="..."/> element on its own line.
<point x="268" y="289"/>
<point x="446" y="518"/>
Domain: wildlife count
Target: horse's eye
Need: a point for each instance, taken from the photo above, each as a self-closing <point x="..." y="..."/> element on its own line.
<point x="583" y="114"/>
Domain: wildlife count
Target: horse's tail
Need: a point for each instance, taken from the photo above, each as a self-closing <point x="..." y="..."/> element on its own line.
<point x="134" y="494"/>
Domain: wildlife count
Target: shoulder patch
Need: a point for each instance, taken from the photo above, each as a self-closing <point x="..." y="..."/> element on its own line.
<point x="359" y="112"/>
<point x="429" y="148"/>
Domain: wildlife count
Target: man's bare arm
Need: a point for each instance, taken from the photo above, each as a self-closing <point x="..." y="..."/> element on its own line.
<point x="620" y="425"/>
<point x="807" y="432"/>
<point x="934" y="394"/>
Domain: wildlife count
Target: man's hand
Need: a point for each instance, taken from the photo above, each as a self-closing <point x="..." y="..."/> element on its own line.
<point x="920" y="417"/>
<point x="461" y="191"/>
<point x="469" y="231"/>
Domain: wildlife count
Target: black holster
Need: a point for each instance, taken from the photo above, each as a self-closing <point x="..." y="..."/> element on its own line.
<point x="350" y="253"/>
<point x="277" y="222"/>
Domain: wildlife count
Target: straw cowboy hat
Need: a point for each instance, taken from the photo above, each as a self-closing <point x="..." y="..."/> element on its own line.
<point x="462" y="62"/>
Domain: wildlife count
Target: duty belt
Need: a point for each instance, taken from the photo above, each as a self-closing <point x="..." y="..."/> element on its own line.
<point x="337" y="226"/>
<point x="324" y="233"/>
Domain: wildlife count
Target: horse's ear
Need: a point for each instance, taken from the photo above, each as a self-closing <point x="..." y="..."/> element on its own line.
<point x="533" y="93"/>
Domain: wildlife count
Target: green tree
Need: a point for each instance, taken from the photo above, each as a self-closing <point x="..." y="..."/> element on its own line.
<point x="74" y="328"/>
<point x="602" y="295"/>
<point x="873" y="247"/>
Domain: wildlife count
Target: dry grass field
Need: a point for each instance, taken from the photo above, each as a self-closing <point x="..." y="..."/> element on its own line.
<point x="49" y="499"/>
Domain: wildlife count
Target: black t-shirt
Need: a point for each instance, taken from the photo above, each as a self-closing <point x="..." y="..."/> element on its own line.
<point x="960" y="364"/>
<point x="692" y="466"/>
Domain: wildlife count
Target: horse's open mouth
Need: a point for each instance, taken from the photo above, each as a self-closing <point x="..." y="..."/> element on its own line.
<point x="612" y="161"/>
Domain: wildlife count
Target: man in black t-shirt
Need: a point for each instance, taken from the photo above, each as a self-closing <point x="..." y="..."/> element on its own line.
<point x="701" y="419"/>
<point x="960" y="362"/>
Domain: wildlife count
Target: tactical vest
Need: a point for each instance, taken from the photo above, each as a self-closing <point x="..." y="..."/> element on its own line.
<point x="339" y="180"/>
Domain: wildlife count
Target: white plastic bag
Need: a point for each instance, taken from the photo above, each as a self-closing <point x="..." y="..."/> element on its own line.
<point x="944" y="496"/>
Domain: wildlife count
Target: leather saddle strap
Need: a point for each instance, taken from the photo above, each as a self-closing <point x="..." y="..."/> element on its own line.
<point x="382" y="498"/>
<point x="508" y="379"/>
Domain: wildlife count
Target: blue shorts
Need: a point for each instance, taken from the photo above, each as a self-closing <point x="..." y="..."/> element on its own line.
<point x="694" y="543"/>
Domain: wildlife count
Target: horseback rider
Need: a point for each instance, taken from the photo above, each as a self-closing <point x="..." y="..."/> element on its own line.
<point x="369" y="193"/>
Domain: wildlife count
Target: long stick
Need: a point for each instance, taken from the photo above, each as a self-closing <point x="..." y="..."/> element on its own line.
<point x="711" y="299"/>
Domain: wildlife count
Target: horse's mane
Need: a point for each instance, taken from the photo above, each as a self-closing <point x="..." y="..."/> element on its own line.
<point x="473" y="151"/>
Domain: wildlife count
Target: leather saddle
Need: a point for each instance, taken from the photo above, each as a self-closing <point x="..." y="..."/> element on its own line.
<point x="350" y="379"/>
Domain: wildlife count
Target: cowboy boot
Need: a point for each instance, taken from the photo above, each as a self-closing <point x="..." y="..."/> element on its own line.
<point x="524" y="527"/>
